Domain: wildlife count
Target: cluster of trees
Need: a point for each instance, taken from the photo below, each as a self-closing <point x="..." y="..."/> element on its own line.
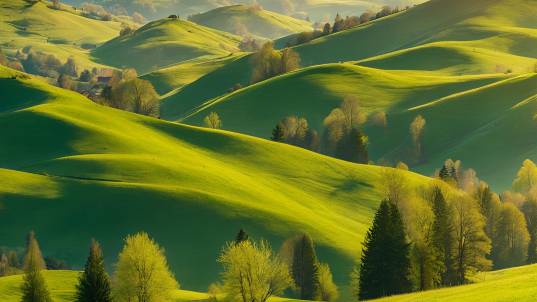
<point x="141" y="274"/>
<point x="47" y="65"/>
<point x="295" y="131"/>
<point x="442" y="234"/>
<point x="268" y="62"/>
<point x="342" y="137"/>
<point x="341" y="24"/>
<point x="95" y="11"/>
<point x="125" y="91"/>
<point x="251" y="272"/>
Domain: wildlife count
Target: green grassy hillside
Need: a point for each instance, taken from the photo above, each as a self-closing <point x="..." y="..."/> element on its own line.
<point x="91" y="171"/>
<point x="247" y="19"/>
<point x="515" y="284"/>
<point x="177" y="76"/>
<point x="317" y="90"/>
<point x="482" y="36"/>
<point x="61" y="33"/>
<point x="62" y="285"/>
<point x="164" y="42"/>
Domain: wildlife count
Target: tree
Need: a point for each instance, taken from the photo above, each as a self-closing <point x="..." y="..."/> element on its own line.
<point x="305" y="267"/>
<point x="385" y="263"/>
<point x="85" y="76"/>
<point x="136" y="95"/>
<point x="343" y="137"/>
<point x="94" y="284"/>
<point x="290" y="60"/>
<point x="471" y="243"/>
<point x="490" y="207"/>
<point x="529" y="208"/>
<point x="526" y="178"/>
<point x="353" y="147"/>
<point x="265" y="63"/>
<point x="278" y="134"/>
<point x="142" y="273"/>
<point x="510" y="241"/>
<point x="34" y="288"/>
<point x="327" y="289"/>
<point x="65" y="82"/>
<point x="252" y="272"/>
<point x="338" y="23"/>
<point x="416" y="132"/>
<point x="241" y="236"/>
<point x="443" y="230"/>
<point x="268" y="62"/>
<point x="70" y="68"/>
<point x="327" y="29"/>
<point x="213" y="121"/>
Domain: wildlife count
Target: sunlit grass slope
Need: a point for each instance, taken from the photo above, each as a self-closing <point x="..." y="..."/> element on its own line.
<point x="475" y="37"/>
<point x="62" y="285"/>
<point x="317" y="90"/>
<point x="164" y="42"/>
<point x="243" y="19"/>
<point x="184" y="73"/>
<point x="56" y="32"/>
<point x="515" y="284"/>
<point x="87" y="171"/>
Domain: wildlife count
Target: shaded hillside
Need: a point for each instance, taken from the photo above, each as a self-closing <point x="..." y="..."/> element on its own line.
<point x="164" y="42"/>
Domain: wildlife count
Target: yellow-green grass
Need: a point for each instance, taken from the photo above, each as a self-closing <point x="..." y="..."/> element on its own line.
<point x="486" y="121"/>
<point x="313" y="92"/>
<point x="165" y="42"/>
<point x="515" y="284"/>
<point x="172" y="78"/>
<point x="73" y="170"/>
<point x="57" y="32"/>
<point x="246" y="19"/>
<point x="62" y="286"/>
<point x="477" y="37"/>
<point x="452" y="58"/>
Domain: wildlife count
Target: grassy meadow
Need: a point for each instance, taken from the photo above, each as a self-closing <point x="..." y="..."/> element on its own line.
<point x="165" y="42"/>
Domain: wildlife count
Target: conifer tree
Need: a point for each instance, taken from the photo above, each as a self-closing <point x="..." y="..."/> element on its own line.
<point x="278" y="133"/>
<point x="94" y="283"/>
<point x="34" y="288"/>
<point x="385" y="264"/>
<point x="241" y="236"/>
<point x="442" y="235"/>
<point x="305" y="267"/>
<point x="530" y="213"/>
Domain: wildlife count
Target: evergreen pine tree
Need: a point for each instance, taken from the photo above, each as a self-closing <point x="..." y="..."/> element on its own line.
<point x="241" y="236"/>
<point x="94" y="283"/>
<point x="278" y="134"/>
<point x="442" y="235"/>
<point x="530" y="212"/>
<point x="34" y="288"/>
<point x="385" y="264"/>
<point x="304" y="268"/>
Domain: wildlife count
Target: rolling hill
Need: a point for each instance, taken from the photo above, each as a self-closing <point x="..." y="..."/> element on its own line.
<point x="175" y="77"/>
<point x="165" y="42"/>
<point x="58" y="32"/>
<point x="251" y="20"/>
<point x="481" y="53"/>
<point x="90" y="171"/>
<point x="478" y="37"/>
<point x="515" y="284"/>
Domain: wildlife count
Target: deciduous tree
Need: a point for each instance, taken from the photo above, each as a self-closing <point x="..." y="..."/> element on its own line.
<point x="142" y="273"/>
